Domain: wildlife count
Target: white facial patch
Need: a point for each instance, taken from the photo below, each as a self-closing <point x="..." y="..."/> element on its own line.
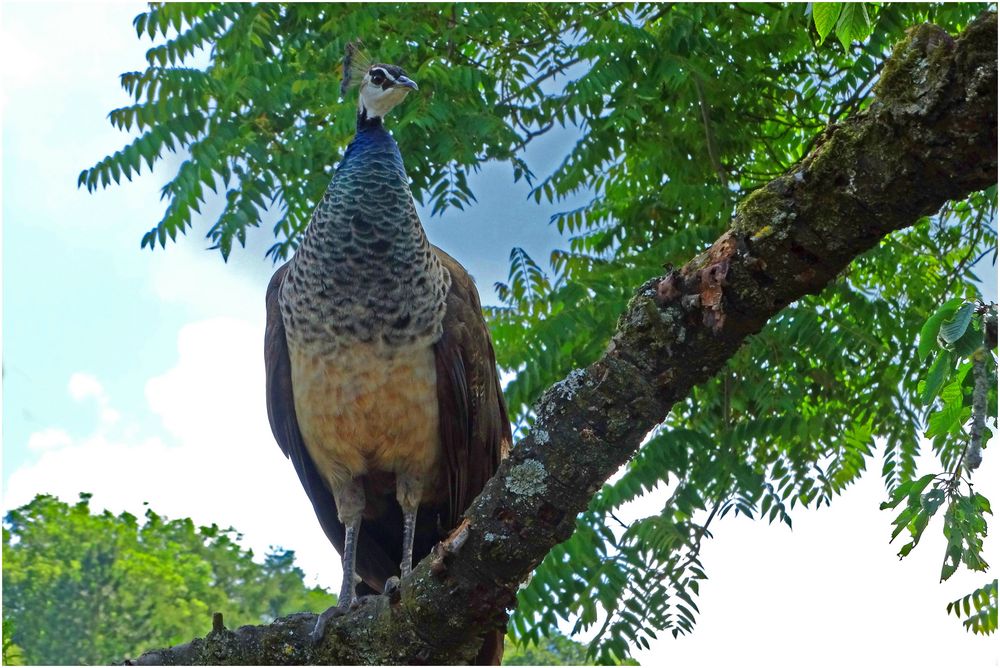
<point x="376" y="100"/>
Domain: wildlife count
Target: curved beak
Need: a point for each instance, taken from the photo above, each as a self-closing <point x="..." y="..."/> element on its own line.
<point x="405" y="82"/>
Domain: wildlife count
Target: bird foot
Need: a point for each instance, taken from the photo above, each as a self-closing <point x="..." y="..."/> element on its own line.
<point x="393" y="589"/>
<point x="338" y="610"/>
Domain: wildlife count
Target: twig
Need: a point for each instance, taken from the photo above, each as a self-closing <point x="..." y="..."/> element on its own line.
<point x="709" y="138"/>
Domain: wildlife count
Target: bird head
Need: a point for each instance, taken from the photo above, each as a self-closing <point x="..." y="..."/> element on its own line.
<point x="380" y="86"/>
<point x="383" y="87"/>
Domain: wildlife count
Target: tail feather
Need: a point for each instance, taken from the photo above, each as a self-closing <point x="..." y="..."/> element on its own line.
<point x="491" y="653"/>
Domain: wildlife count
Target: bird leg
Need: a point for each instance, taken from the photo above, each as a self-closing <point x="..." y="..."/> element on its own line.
<point x="350" y="499"/>
<point x="409" y="520"/>
<point x="408" y="491"/>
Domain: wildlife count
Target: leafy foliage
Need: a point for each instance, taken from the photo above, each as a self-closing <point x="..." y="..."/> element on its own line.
<point x="12" y="654"/>
<point x="555" y="651"/>
<point x="803" y="408"/>
<point x="948" y="385"/>
<point x="682" y="110"/>
<point x="984" y="602"/>
<point x="263" y="124"/>
<point x="87" y="588"/>
<point x="964" y="397"/>
<point x="849" y="20"/>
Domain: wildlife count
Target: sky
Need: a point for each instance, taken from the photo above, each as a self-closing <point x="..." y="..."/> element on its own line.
<point x="138" y="377"/>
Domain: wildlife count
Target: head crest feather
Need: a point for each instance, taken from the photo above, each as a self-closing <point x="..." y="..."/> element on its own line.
<point x="356" y="64"/>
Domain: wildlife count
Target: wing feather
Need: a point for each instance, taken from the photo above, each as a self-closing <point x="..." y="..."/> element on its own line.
<point x="475" y="431"/>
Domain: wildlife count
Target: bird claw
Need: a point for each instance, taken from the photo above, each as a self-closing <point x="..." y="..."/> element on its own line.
<point x="393" y="589"/>
<point x="338" y="610"/>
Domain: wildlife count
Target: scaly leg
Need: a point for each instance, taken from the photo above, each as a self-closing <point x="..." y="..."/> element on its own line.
<point x="350" y="498"/>
<point x="347" y="585"/>
<point x="408" y="491"/>
<point x="409" y="520"/>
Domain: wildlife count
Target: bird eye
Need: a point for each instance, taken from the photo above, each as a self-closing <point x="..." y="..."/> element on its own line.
<point x="378" y="79"/>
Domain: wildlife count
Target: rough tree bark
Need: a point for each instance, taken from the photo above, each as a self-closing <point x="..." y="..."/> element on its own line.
<point x="929" y="136"/>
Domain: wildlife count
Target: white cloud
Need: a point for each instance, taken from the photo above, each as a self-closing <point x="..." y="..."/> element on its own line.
<point x="110" y="416"/>
<point x="48" y="439"/>
<point x="84" y="385"/>
<point x="216" y="391"/>
<point x="197" y="278"/>
<point x="216" y="460"/>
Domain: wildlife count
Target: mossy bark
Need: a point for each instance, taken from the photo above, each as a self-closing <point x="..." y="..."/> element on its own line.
<point x="928" y="137"/>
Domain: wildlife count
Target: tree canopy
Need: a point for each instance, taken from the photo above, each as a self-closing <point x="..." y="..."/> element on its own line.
<point x="83" y="587"/>
<point x="682" y="111"/>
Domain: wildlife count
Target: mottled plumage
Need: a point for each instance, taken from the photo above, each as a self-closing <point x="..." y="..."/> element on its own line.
<point x="381" y="379"/>
<point x="365" y="271"/>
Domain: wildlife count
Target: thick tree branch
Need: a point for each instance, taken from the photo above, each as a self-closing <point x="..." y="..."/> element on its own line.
<point x="929" y="137"/>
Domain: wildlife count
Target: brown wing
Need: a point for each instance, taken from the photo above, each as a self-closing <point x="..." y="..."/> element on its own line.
<point x="285" y="427"/>
<point x="475" y="431"/>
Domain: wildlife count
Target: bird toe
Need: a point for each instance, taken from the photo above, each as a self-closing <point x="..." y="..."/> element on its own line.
<point x="393" y="589"/>
<point x="324" y="619"/>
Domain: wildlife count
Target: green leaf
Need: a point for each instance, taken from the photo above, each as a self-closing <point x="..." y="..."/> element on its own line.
<point x="939" y="373"/>
<point x="953" y="330"/>
<point x="952" y="559"/>
<point x="968" y="343"/>
<point x="932" y="500"/>
<point x="909" y="488"/>
<point x="825" y="15"/>
<point x="854" y="25"/>
<point x="985" y="600"/>
<point x="929" y="331"/>
<point x="981" y="503"/>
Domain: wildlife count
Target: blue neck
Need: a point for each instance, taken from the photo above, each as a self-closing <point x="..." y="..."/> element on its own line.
<point x="366" y="122"/>
<point x="376" y="145"/>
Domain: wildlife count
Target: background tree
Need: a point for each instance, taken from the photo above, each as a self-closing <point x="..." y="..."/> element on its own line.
<point x="555" y="651"/>
<point x="90" y="588"/>
<point x="683" y="110"/>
